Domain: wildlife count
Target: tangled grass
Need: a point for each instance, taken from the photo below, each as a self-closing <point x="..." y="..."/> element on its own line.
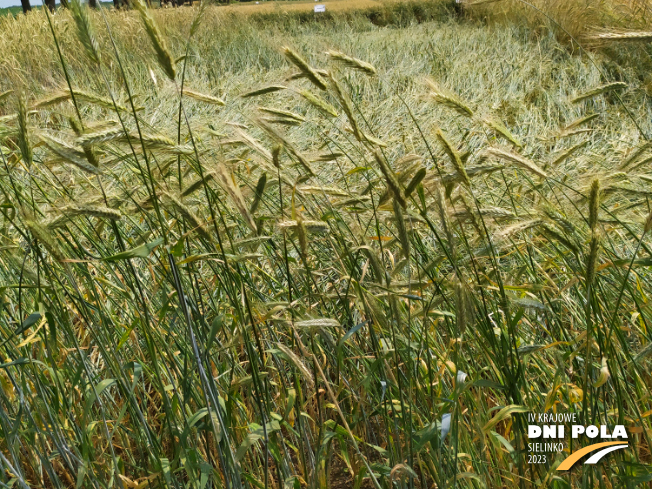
<point x="317" y="256"/>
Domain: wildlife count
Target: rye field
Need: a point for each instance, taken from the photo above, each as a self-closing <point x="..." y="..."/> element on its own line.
<point x="249" y="247"/>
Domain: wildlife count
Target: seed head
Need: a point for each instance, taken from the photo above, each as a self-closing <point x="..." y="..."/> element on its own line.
<point x="85" y="31"/>
<point x="305" y="68"/>
<point x="319" y="103"/>
<point x="23" y="133"/>
<point x="163" y="54"/>
<point x="352" y="63"/>
<point x="454" y="156"/>
<point x="594" y="204"/>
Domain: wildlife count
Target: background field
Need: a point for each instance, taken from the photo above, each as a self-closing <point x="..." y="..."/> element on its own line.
<point x="363" y="277"/>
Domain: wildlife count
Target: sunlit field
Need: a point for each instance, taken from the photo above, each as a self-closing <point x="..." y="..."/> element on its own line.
<point x="252" y="246"/>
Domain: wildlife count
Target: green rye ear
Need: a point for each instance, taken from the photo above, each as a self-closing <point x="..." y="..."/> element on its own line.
<point x="163" y="54"/>
<point x="85" y="30"/>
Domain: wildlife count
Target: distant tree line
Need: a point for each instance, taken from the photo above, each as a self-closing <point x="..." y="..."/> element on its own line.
<point x="117" y="3"/>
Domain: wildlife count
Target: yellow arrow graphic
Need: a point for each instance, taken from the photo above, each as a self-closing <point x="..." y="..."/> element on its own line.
<point x="575" y="456"/>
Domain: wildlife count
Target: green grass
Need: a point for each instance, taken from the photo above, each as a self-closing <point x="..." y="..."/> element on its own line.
<point x="264" y="294"/>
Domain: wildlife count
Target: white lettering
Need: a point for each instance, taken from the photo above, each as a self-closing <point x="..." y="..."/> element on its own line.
<point x="577" y="430"/>
<point x="619" y="432"/>
<point x="592" y="431"/>
<point x="533" y="431"/>
<point x="603" y="432"/>
<point x="550" y="431"/>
